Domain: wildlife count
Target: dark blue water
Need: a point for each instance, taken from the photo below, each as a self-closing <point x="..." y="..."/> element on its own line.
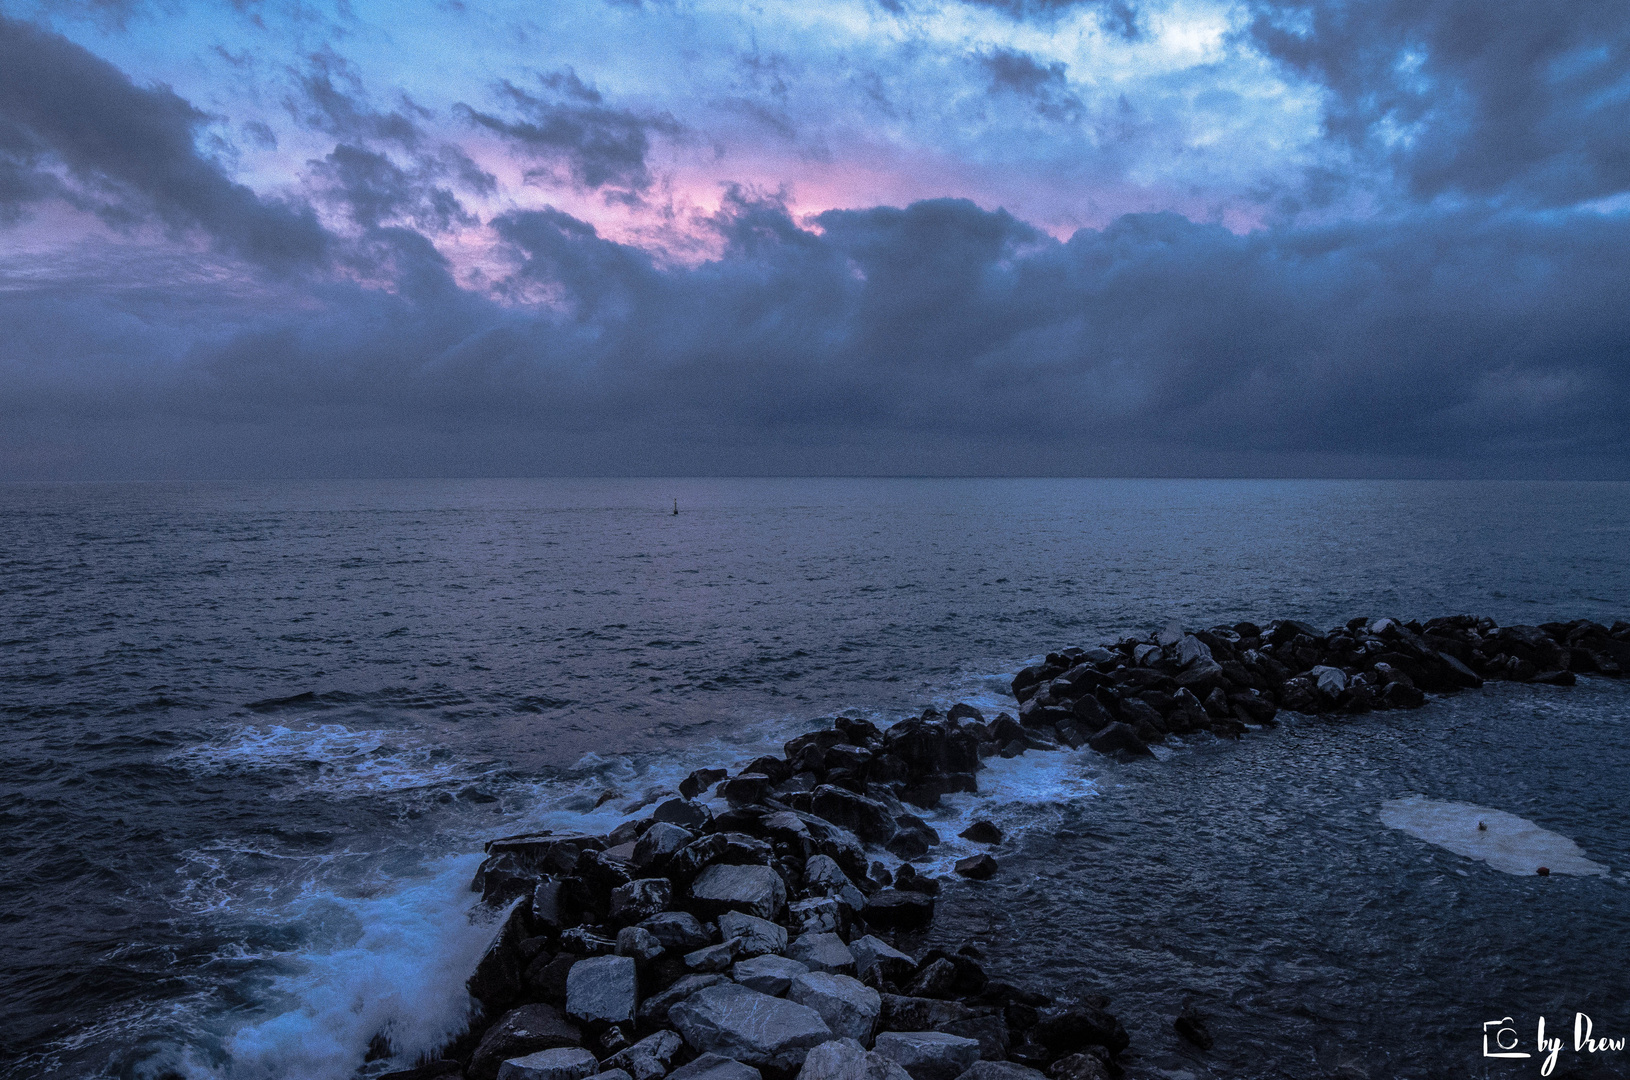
<point x="254" y="733"/>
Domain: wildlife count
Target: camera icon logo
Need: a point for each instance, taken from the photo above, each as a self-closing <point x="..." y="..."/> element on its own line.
<point x="1504" y="1040"/>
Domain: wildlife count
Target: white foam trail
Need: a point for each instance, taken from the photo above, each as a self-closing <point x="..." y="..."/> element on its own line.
<point x="1510" y="844"/>
<point x="394" y="963"/>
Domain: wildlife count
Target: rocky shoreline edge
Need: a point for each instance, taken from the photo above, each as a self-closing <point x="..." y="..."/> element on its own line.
<point x="763" y="942"/>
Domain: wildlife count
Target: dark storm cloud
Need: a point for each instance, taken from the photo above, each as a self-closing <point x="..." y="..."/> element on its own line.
<point x="126" y="152"/>
<point x="569" y="126"/>
<point x="934" y="338"/>
<point x="374" y="190"/>
<point x="1525" y="101"/>
<point x="1019" y="73"/>
<point x="331" y="99"/>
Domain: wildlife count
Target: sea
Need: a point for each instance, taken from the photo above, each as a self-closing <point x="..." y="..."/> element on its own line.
<point x="254" y="735"/>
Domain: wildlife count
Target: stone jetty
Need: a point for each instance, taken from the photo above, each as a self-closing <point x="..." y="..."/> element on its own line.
<point x="761" y="937"/>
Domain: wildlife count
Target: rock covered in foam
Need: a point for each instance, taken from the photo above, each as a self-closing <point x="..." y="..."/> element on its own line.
<point x="1508" y="843"/>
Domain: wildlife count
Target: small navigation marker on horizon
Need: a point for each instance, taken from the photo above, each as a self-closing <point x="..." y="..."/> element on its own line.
<point x="676" y="508"/>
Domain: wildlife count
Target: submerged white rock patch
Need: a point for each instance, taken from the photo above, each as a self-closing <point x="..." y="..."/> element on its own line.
<point x="1508" y="843"/>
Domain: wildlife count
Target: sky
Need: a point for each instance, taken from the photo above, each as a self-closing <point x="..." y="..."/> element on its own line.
<point x="298" y="238"/>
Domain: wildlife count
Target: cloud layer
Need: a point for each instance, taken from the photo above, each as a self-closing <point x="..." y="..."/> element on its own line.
<point x="311" y="272"/>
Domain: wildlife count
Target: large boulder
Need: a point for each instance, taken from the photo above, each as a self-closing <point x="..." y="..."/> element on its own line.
<point x="1000" y="1070"/>
<point x="602" y="990"/>
<point x="846" y="1059"/>
<point x="751" y="1027"/>
<point x="849" y="1007"/>
<point x="640" y="899"/>
<point x="682" y="812"/>
<point x="1118" y="739"/>
<point x="658" y="844"/>
<point x="522" y="1031"/>
<point x="755" y="890"/>
<point x="768" y="974"/>
<point x="866" y="818"/>
<point x="568" y="1064"/>
<point x="928" y="1055"/>
<point x="728" y="848"/>
<point x="870" y="951"/>
<point x="901" y="1013"/>
<point x="1072" y="1029"/>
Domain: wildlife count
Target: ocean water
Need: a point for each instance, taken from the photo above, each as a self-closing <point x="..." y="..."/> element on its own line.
<point x="254" y="735"/>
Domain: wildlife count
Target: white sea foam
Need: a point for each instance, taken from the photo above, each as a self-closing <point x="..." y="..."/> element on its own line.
<point x="1508" y="843"/>
<point x="394" y="964"/>
<point x="337" y="759"/>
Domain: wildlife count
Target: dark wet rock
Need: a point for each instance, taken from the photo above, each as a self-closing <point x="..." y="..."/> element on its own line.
<point x="746" y="789"/>
<point x="982" y="832"/>
<point x="1014" y="748"/>
<point x="870" y="952"/>
<point x="848" y="1007"/>
<point x="968" y="978"/>
<point x="503" y="877"/>
<point x="683" y="812"/>
<point x="654" y="1010"/>
<point x="649" y="1058"/>
<point x="768" y="974"/>
<point x="928" y="1055"/>
<point x="823" y="952"/>
<point x="715" y="1067"/>
<point x="1118" y="738"/>
<point x="545" y="977"/>
<point x="990" y="1032"/>
<point x="935" y="980"/>
<point x="1069" y="1030"/>
<point x="639" y="944"/>
<point x="522" y="1031"/>
<point x="908" y="879"/>
<point x="572" y="1063"/>
<point x="915" y="837"/>
<point x="699" y="781"/>
<point x="752" y="936"/>
<point x="836" y="843"/>
<point x="754" y="890"/>
<point x="978" y="867"/>
<point x="750" y="1027"/>
<point x="1030" y="1054"/>
<point x="549" y="907"/>
<point x="720" y="848"/>
<point x="899" y="909"/>
<point x="711" y="958"/>
<point x="866" y="818"/>
<point x="1078" y="1067"/>
<point x="659" y="843"/>
<point x="497" y="981"/>
<point x="602" y="990"/>
<point x="640" y="899"/>
<point x="1192" y="1028"/>
<point x="677" y="930"/>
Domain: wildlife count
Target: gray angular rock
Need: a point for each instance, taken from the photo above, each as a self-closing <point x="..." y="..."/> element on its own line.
<point x="640" y="944"/>
<point x="866" y="818"/>
<point x="1119" y="738"/>
<point x="640" y="899"/>
<point x="602" y="989"/>
<point x="712" y="958"/>
<point x="823" y="952"/>
<point x="928" y="1055"/>
<point x="1329" y="681"/>
<point x="522" y="1031"/>
<point x="610" y="1074"/>
<point x="768" y="974"/>
<point x="871" y="951"/>
<point x="751" y="1027"/>
<point x="654" y="1009"/>
<point x="846" y="1059"/>
<point x="754" y="890"/>
<point x="684" y="813"/>
<point x="849" y="1007"/>
<point x="649" y="1058"/>
<point x="990" y="1032"/>
<point x="753" y="936"/>
<point x="659" y="843"/>
<point x="715" y="1067"/>
<point x="567" y="1064"/>
<point x="678" y="930"/>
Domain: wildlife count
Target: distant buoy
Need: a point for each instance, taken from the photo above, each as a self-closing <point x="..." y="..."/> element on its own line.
<point x="1544" y="871"/>
<point x="1481" y="827"/>
<point x="676" y="508"/>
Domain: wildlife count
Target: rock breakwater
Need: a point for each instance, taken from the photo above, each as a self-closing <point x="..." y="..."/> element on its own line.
<point x="759" y="935"/>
